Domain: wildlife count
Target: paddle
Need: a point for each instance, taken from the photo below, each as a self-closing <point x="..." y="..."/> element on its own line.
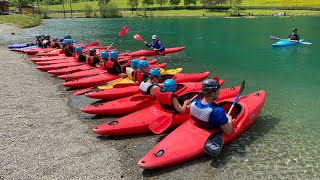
<point x="214" y="143"/>
<point x="122" y="32"/>
<point x="276" y="38"/>
<point x="139" y="38"/>
<point x="83" y="91"/>
<point x="163" y="122"/>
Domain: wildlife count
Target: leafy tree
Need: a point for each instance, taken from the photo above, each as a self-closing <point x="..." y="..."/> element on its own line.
<point x="102" y="4"/>
<point x="133" y="4"/>
<point x="174" y="2"/>
<point x="147" y="2"/>
<point x="161" y="2"/>
<point x="189" y="2"/>
<point x="211" y="3"/>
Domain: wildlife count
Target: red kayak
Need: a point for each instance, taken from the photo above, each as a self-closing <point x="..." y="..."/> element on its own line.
<point x="34" y="51"/>
<point x="56" y="61"/>
<point x="60" y="65"/>
<point x="137" y="102"/>
<point x="48" y="58"/>
<point x="187" y="141"/>
<point x="91" y="72"/>
<point x="88" y="67"/>
<point x="154" y="53"/>
<point x="138" y="122"/>
<point x="123" y="90"/>
<point x="99" y="79"/>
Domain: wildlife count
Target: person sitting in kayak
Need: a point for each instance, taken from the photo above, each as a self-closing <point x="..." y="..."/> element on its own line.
<point x="167" y="98"/>
<point x="206" y="112"/>
<point x="93" y="59"/>
<point x="46" y="41"/>
<point x="55" y="43"/>
<point x="131" y="71"/>
<point x="80" y="57"/>
<point x="67" y="36"/>
<point x="68" y="47"/>
<point x="149" y="86"/>
<point x="143" y="71"/>
<point x="294" y="36"/>
<point x="156" y="44"/>
<point x="38" y="41"/>
<point x="104" y="57"/>
<point x="113" y="66"/>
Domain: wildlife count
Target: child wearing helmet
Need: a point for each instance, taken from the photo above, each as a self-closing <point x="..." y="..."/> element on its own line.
<point x="131" y="71"/>
<point x="46" y="41"/>
<point x="143" y="71"/>
<point x="167" y="98"/>
<point x="55" y="43"/>
<point x="79" y="56"/>
<point x="104" y="55"/>
<point x="93" y="59"/>
<point x="38" y="41"/>
<point x="206" y="112"/>
<point x="68" y="47"/>
<point x="113" y="66"/>
<point x="150" y="86"/>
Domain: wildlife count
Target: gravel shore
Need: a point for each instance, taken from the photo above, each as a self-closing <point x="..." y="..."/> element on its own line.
<point x="42" y="137"/>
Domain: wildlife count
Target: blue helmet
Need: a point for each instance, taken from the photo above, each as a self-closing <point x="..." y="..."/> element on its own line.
<point x="134" y="63"/>
<point x="143" y="64"/>
<point x="113" y="55"/>
<point x="155" y="72"/>
<point x="169" y="85"/>
<point x="104" y="55"/>
<point x="67" y="41"/>
<point x="38" y="36"/>
<point x="78" y="49"/>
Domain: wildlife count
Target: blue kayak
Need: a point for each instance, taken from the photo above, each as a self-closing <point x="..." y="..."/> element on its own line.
<point x="17" y="45"/>
<point x="286" y="42"/>
<point x="24" y="48"/>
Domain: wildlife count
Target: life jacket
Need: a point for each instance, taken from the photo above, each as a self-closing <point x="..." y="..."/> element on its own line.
<point x="80" y="58"/>
<point x="74" y="54"/>
<point x="165" y="99"/>
<point x="140" y="76"/>
<point x="202" y="116"/>
<point x="91" y="60"/>
<point x="76" y="57"/>
<point x="145" y="87"/>
<point x="110" y="65"/>
<point x="130" y="72"/>
<point x="53" y="44"/>
<point x="102" y="64"/>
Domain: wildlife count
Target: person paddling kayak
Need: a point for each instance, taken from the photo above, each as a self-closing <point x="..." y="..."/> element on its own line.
<point x="294" y="36"/>
<point x="168" y="100"/>
<point x="156" y="44"/>
<point x="149" y="86"/>
<point x="206" y="112"/>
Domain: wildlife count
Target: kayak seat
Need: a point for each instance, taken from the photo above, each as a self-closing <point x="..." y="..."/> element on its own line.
<point x="165" y="77"/>
<point x="235" y="111"/>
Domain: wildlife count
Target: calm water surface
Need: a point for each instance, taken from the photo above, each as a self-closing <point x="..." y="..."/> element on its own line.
<point x="284" y="141"/>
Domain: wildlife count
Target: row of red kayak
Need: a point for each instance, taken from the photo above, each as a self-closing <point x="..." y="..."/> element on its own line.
<point x="142" y="111"/>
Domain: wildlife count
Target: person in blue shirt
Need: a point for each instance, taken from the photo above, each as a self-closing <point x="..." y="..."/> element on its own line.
<point x="294" y="36"/>
<point x="206" y="112"/>
<point x="156" y="44"/>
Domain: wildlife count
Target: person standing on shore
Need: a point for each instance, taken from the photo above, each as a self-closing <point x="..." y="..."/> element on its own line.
<point x="156" y="44"/>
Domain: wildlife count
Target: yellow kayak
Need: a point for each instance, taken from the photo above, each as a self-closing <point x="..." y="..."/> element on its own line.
<point x="128" y="80"/>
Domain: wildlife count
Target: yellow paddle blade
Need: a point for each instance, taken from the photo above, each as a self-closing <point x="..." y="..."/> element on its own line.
<point x="170" y="71"/>
<point x="117" y="81"/>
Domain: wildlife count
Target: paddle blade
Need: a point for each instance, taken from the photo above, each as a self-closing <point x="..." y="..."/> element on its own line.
<point x="242" y="87"/>
<point x="213" y="145"/>
<point x="160" y="124"/>
<point x="274" y="38"/>
<point x="137" y="37"/>
<point x="307" y="43"/>
<point x="124" y="31"/>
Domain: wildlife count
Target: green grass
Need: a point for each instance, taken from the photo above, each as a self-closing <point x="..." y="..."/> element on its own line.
<point x="24" y="21"/>
<point x="286" y="3"/>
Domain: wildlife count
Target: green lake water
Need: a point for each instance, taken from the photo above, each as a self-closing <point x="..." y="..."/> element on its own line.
<point x="284" y="141"/>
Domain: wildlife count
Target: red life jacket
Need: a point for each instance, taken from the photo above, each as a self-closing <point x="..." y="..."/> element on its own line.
<point x="103" y="65"/>
<point x="52" y="44"/>
<point x="91" y="60"/>
<point x="74" y="54"/>
<point x="110" y="67"/>
<point x="165" y="99"/>
<point x="76" y="57"/>
<point x="140" y="76"/>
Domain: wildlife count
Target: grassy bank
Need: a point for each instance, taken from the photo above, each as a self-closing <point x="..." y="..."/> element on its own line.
<point x="24" y="21"/>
